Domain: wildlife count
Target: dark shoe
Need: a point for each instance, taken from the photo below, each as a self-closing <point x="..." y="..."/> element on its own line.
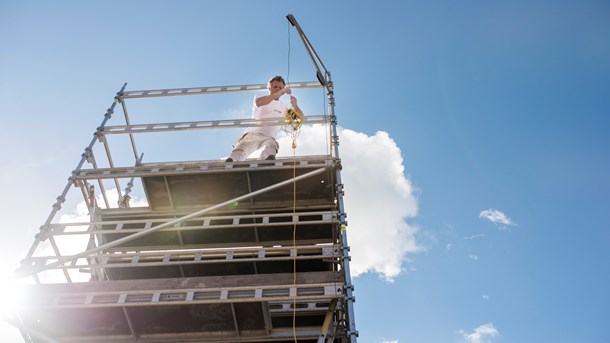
<point x="270" y="157"/>
<point x="229" y="159"/>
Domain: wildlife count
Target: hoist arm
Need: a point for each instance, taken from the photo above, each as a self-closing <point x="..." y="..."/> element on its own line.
<point x="324" y="78"/>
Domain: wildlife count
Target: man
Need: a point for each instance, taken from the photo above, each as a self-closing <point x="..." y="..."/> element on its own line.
<point x="265" y="106"/>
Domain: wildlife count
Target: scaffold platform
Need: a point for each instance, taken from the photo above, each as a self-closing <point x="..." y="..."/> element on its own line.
<point x="250" y="251"/>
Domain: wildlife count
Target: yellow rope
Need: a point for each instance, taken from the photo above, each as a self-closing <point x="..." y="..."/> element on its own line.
<point x="294" y="241"/>
<point x="293" y="123"/>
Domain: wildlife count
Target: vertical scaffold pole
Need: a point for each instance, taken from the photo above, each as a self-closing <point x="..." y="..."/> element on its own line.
<point x="349" y="287"/>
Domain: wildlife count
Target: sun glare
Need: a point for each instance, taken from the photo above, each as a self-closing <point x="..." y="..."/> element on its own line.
<point x="9" y="287"/>
<point x="11" y="301"/>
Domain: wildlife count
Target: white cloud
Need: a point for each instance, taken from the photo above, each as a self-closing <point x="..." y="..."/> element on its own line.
<point x="378" y="197"/>
<point x="392" y="341"/>
<point x="496" y="217"/>
<point x="485" y="297"/>
<point x="482" y="334"/>
<point x="473" y="257"/>
<point x="480" y="235"/>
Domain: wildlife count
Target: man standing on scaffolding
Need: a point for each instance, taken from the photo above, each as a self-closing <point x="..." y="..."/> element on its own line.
<point x="264" y="107"/>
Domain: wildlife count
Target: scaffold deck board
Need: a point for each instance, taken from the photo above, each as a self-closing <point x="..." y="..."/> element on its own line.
<point x="204" y="189"/>
<point x="236" y="309"/>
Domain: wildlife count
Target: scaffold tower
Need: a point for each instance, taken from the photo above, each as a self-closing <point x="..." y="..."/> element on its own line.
<point x="251" y="251"/>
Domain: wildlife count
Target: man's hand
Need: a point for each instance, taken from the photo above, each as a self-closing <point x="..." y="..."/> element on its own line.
<point x="265" y="100"/>
<point x="281" y="92"/>
<point x="295" y="105"/>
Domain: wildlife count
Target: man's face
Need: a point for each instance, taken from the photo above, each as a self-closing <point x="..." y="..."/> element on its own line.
<point x="275" y="86"/>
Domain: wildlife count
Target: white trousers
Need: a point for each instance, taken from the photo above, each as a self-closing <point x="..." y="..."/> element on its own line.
<point x="250" y="142"/>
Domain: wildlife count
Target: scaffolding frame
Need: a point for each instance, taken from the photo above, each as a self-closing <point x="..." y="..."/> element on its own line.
<point x="105" y="254"/>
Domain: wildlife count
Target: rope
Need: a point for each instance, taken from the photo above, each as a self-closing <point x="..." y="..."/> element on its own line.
<point x="293" y="123"/>
<point x="294" y="242"/>
<point x="288" y="73"/>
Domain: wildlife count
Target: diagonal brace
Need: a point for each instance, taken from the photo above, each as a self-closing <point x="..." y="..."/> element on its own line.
<point x="327" y="321"/>
<point x="172" y="222"/>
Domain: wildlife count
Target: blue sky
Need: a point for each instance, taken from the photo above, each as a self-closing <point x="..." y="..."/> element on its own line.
<point x="491" y="106"/>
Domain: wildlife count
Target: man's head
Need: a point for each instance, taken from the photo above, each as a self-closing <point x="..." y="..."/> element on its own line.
<point x="278" y="79"/>
<point x="276" y="83"/>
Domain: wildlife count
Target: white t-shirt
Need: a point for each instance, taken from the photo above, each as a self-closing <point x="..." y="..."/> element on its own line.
<point x="274" y="109"/>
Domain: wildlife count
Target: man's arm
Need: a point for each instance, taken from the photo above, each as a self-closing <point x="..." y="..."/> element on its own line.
<point x="267" y="99"/>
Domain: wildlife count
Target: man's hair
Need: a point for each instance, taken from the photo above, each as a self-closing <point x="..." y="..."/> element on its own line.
<point x="277" y="78"/>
